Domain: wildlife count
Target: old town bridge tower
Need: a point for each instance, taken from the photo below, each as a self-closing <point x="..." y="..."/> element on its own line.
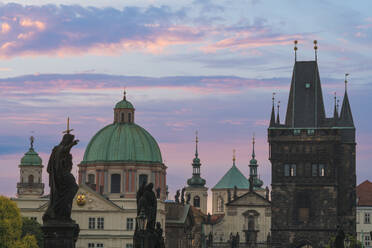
<point x="313" y="165"/>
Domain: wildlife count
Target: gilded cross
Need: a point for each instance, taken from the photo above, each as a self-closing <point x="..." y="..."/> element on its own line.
<point x="68" y="130"/>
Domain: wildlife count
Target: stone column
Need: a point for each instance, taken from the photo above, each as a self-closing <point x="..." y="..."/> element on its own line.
<point x="105" y="187"/>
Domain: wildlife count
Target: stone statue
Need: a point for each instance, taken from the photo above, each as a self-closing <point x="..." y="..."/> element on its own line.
<point x="183" y="196"/>
<point x="235" y="192"/>
<point x="251" y="184"/>
<point x="167" y="192"/>
<point x="139" y="194"/>
<point x="267" y="193"/>
<point x="158" y="192"/>
<point x="150" y="206"/>
<point x="62" y="183"/>
<point x="188" y="198"/>
<point x="177" y="197"/>
<point x="159" y="234"/>
<point x="228" y="195"/>
<point x="237" y="238"/>
<point x="340" y="237"/>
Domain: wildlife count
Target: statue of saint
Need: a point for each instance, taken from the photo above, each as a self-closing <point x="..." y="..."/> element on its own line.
<point x="177" y="197"/>
<point x="183" y="196"/>
<point x="151" y="206"/>
<point x="188" y="198"/>
<point x="139" y="194"/>
<point x="158" y="192"/>
<point x="62" y="183"/>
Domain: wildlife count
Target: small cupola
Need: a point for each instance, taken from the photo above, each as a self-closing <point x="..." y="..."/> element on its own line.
<point x="124" y="111"/>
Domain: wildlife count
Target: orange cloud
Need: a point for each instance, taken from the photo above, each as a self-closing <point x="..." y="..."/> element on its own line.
<point x="29" y="23"/>
<point x="5" y="27"/>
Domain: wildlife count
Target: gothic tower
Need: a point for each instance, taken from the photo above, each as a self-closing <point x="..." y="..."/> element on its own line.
<point x="30" y="185"/>
<point x="313" y="165"/>
<point x="196" y="184"/>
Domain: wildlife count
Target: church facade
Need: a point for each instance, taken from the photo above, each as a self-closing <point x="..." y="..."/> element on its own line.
<point x="117" y="161"/>
<point x="313" y="165"/>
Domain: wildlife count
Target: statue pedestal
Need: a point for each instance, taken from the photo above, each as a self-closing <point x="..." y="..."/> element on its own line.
<point x="60" y="234"/>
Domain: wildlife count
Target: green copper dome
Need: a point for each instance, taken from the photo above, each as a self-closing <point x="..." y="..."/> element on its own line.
<point x="233" y="177"/>
<point x="31" y="158"/>
<point x="124" y="104"/>
<point x="122" y="142"/>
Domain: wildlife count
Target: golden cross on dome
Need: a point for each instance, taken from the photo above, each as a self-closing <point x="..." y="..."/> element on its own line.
<point x="68" y="130"/>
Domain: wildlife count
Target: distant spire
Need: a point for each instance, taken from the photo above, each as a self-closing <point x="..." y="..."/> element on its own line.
<point x="234" y="157"/>
<point x="32" y="139"/>
<point x="346" y="116"/>
<point x="277" y="117"/>
<point x="196" y="144"/>
<point x="295" y="49"/>
<point x="253" y="143"/>
<point x="335" y="113"/>
<point x="316" y="49"/>
<point x="272" y="119"/>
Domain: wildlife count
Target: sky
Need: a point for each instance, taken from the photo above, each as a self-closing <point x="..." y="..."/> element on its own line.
<point x="203" y="65"/>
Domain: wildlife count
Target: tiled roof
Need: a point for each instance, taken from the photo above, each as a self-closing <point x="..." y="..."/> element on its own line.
<point x="364" y="193"/>
<point x="233" y="177"/>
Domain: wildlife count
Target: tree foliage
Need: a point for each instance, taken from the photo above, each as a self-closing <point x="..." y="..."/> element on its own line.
<point x="32" y="227"/>
<point x="11" y="227"/>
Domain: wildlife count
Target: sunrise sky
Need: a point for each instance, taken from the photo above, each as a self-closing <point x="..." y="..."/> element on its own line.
<point x="199" y="65"/>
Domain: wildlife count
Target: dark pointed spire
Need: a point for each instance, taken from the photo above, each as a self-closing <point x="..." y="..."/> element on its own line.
<point x="272" y="119"/>
<point x="305" y="103"/>
<point x="346" y="116"/>
<point x="295" y="49"/>
<point x="196" y="180"/>
<point x="253" y="179"/>
<point x="253" y="143"/>
<point x="316" y="49"/>
<point x="335" y="112"/>
<point x="277" y="116"/>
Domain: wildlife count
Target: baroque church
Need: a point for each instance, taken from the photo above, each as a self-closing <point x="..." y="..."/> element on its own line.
<point x="118" y="159"/>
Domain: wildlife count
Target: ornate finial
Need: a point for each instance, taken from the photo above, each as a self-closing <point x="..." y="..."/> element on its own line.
<point x="338" y="104"/>
<point x="68" y="130"/>
<point x="316" y="49"/>
<point x="335" y="97"/>
<point x="295" y="49"/>
<point x="253" y="143"/>
<point x="278" y="106"/>
<point x="346" y="75"/>
<point x="196" y="144"/>
<point x="234" y="157"/>
<point x="32" y="142"/>
<point x="125" y="95"/>
<point x="273" y="98"/>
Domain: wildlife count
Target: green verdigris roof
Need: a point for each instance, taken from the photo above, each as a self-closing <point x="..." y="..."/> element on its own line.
<point x="31" y="158"/>
<point x="124" y="104"/>
<point x="122" y="142"/>
<point x="233" y="177"/>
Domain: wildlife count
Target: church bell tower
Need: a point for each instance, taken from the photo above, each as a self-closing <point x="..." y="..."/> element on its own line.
<point x="30" y="185"/>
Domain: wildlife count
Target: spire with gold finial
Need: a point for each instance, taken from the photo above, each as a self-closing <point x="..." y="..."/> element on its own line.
<point x="316" y="49"/>
<point x="234" y="157"/>
<point x="196" y="179"/>
<point x="196" y="144"/>
<point x="295" y="49"/>
<point x="346" y="116"/>
<point x="68" y="130"/>
<point x="253" y="143"/>
<point x="277" y="116"/>
<point x="253" y="165"/>
<point x="272" y="119"/>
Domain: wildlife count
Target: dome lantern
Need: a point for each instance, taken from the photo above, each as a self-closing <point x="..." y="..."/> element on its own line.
<point x="124" y="111"/>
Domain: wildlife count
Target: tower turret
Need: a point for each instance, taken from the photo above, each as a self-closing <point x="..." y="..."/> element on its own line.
<point x="253" y="176"/>
<point x="346" y="116"/>
<point x="30" y="184"/>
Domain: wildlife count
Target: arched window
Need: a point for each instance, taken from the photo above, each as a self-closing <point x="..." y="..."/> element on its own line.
<point x="31" y="179"/>
<point x="251" y="225"/>
<point x="220" y="204"/>
<point x="197" y="201"/>
<point x="91" y="179"/>
<point x="142" y="179"/>
<point x="115" y="183"/>
<point x="129" y="117"/>
<point x="122" y="117"/>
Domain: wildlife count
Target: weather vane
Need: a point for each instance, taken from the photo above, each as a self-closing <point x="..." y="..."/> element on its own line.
<point x="68" y="130"/>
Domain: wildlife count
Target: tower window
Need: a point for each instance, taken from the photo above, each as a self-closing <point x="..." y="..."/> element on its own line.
<point x="129" y="224"/>
<point x="91" y="179"/>
<point x="289" y="170"/>
<point x="100" y="223"/>
<point x="31" y="179"/>
<point x="122" y="117"/>
<point x="307" y="85"/>
<point x="367" y="218"/>
<point x="142" y="179"/>
<point x="92" y="223"/>
<point x="197" y="201"/>
<point x="129" y="117"/>
<point x="115" y="183"/>
<point x="297" y="131"/>
<point x="318" y="170"/>
<point x="303" y="207"/>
